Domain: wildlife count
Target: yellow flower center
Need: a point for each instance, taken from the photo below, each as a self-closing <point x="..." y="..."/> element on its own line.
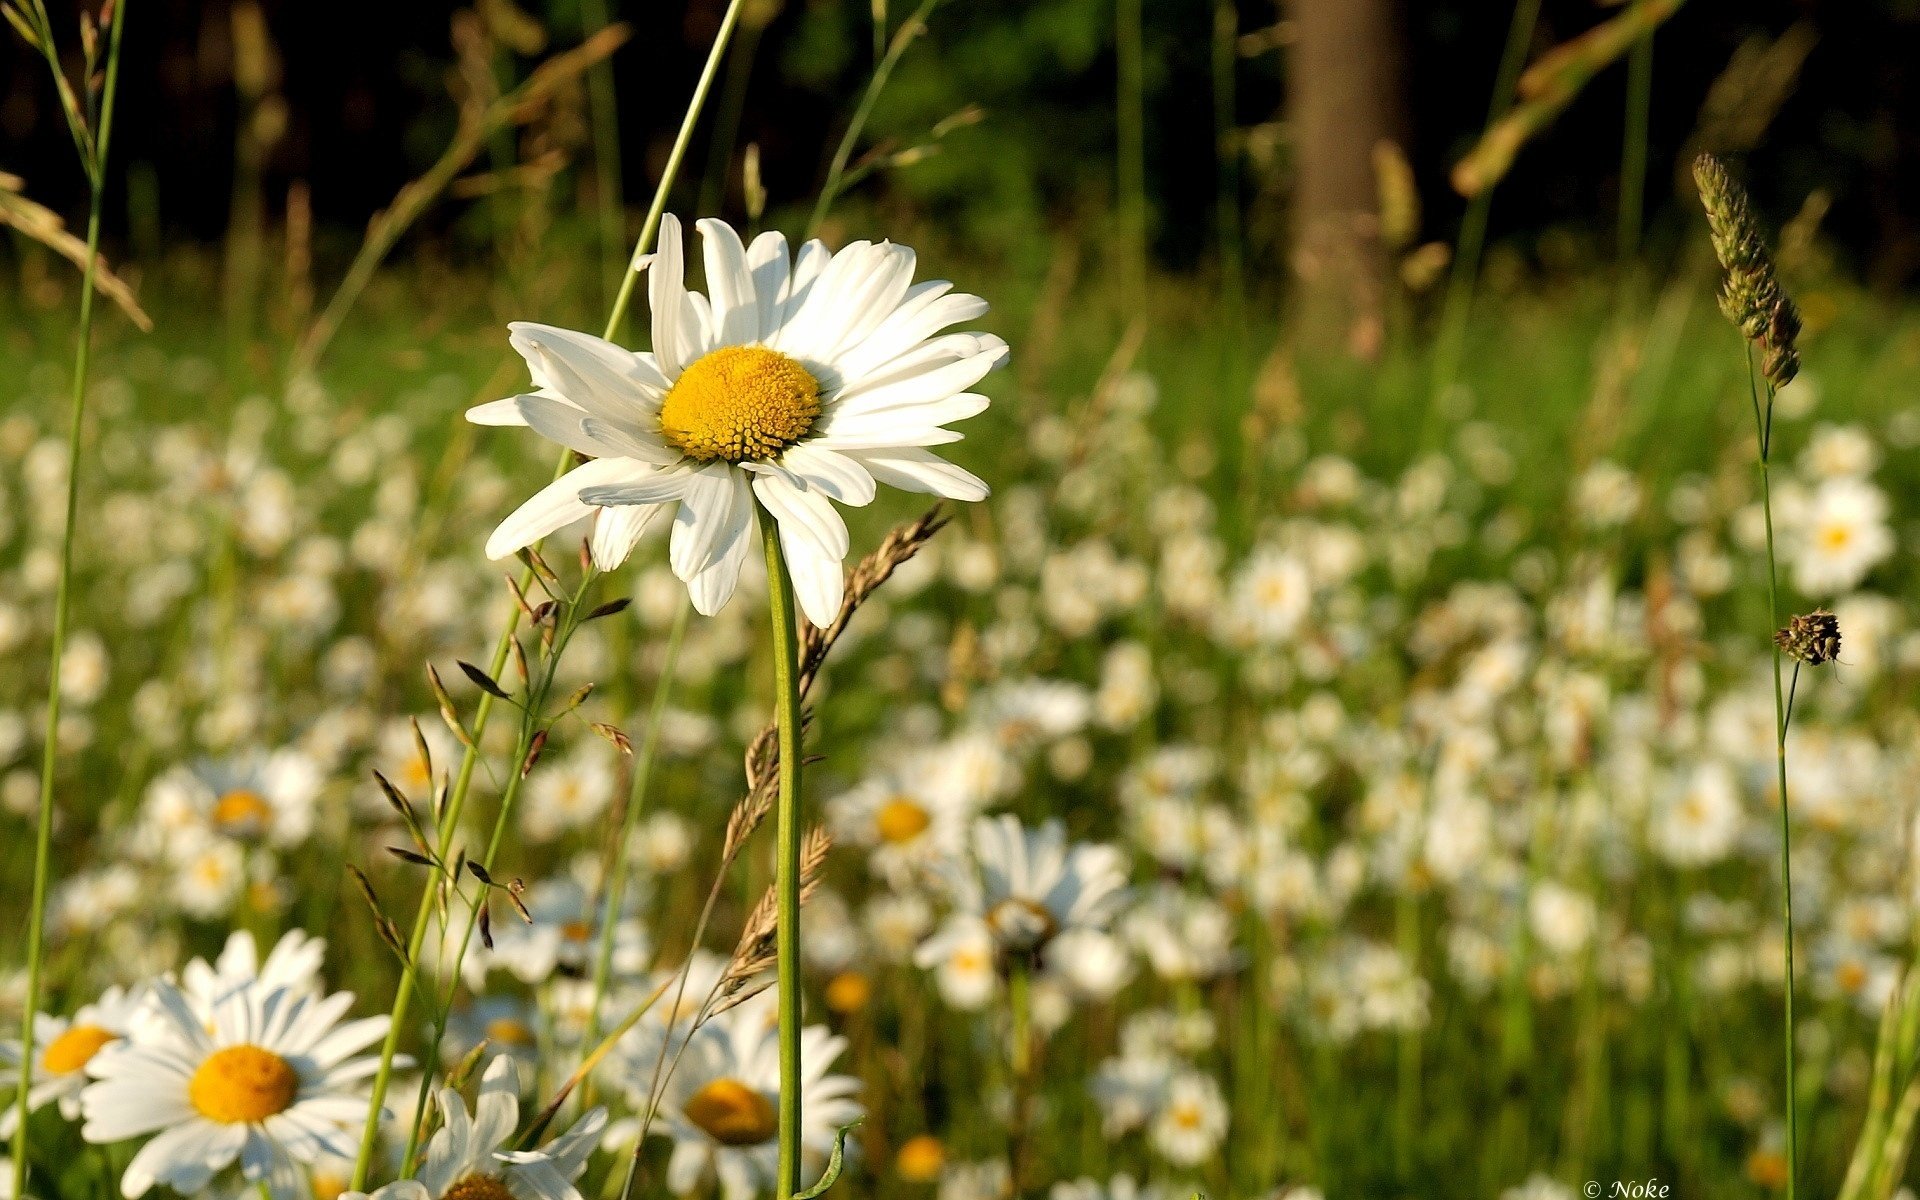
<point x="509" y="1031"/>
<point x="732" y="1113"/>
<point x="901" y="820"/>
<point x="1836" y="537"/>
<point x="739" y="403"/>
<point x="243" y="1084"/>
<point x="848" y="992"/>
<point x="920" y="1159"/>
<point x="74" y="1049"/>
<point x="242" y="811"/>
<point x="478" y="1187"/>
<point x="329" y="1185"/>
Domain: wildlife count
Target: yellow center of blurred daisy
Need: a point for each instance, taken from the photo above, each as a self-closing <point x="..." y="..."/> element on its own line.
<point x="732" y="1113"/>
<point x="739" y="403"/>
<point x="241" y="810"/>
<point x="901" y="820"/>
<point x="509" y="1031"/>
<point x="920" y="1159"/>
<point x="75" y="1048"/>
<point x="478" y="1187"/>
<point x="242" y="1084"/>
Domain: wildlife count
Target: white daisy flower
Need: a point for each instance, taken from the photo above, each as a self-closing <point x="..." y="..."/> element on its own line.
<point x="465" y="1158"/>
<point x="249" y="797"/>
<point x="792" y="382"/>
<point x="63" y="1046"/>
<point x="1843" y="534"/>
<point x="909" y="829"/>
<point x="267" y="1079"/>
<point x="1028" y="885"/>
<point x="721" y="1104"/>
<point x="1192" y="1120"/>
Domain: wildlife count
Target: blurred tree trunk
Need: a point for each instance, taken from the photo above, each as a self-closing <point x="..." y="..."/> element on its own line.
<point x="1345" y="96"/>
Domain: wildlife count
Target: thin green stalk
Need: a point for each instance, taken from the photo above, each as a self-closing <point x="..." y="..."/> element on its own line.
<point x="903" y="37"/>
<point x="1763" y="430"/>
<point x="94" y="158"/>
<point x="786" y="672"/>
<point x="614" y="885"/>
<point x="456" y="799"/>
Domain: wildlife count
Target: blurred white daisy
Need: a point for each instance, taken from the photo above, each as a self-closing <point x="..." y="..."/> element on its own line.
<point x="249" y="797"/>
<point x="791" y="382"/>
<point x="465" y="1160"/>
<point x="63" y="1046"/>
<point x="267" y="1079"/>
<point x="1843" y="535"/>
<point x="1020" y="890"/>
<point x="721" y="1104"/>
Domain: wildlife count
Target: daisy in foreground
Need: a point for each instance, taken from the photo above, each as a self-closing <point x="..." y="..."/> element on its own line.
<point x="265" y="1077"/>
<point x="465" y="1159"/>
<point x="791" y="382"/>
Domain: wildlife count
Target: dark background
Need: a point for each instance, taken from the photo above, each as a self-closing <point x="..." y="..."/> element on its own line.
<point x="366" y="85"/>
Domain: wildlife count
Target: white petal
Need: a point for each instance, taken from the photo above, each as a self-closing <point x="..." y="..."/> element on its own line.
<point x="813" y="540"/>
<point x="666" y="296"/>
<point x="557" y="504"/>
<point x="927" y="309"/>
<point x="714" y="509"/>
<point x="933" y="384"/>
<point x="616" y="531"/>
<point x="912" y="469"/>
<point x="830" y="472"/>
<point x="602" y="378"/>
<point x="868" y="429"/>
<point x="496" y="412"/>
<point x="712" y="588"/>
<point x="562" y="423"/>
<point x="730" y="285"/>
<point x="641" y="487"/>
<point x="767" y="259"/>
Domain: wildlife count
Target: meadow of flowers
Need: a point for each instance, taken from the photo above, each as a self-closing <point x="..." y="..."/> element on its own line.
<point x="1253" y="779"/>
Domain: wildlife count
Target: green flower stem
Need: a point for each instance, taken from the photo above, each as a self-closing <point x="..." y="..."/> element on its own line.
<point x="94" y="158"/>
<point x="463" y="781"/>
<point x="614" y="886"/>
<point x="1763" y="430"/>
<point x="786" y="673"/>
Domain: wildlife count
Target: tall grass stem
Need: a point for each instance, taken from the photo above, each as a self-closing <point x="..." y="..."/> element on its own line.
<point x="94" y="158"/>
